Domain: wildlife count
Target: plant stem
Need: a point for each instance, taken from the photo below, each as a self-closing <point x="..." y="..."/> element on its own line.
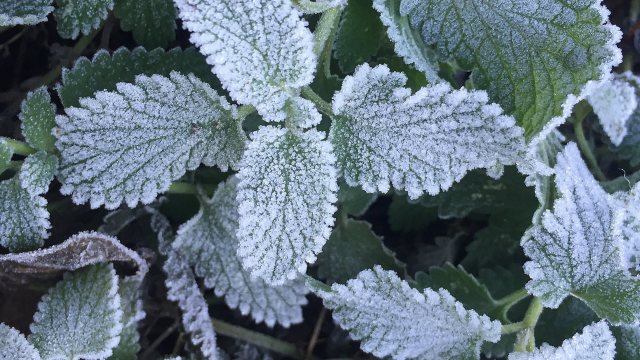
<point x="258" y="339"/>
<point x="316" y="334"/>
<point x="506" y="303"/>
<point x="245" y="110"/>
<point x="19" y="147"/>
<point x="322" y="105"/>
<point x="324" y="29"/>
<point x="586" y="150"/>
<point x="526" y="337"/>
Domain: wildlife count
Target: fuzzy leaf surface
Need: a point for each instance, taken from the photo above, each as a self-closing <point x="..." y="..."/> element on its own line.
<point x="24" y="219"/>
<point x="20" y="12"/>
<point x="152" y="22"/>
<point x="80" y="16"/>
<point x="38" y="118"/>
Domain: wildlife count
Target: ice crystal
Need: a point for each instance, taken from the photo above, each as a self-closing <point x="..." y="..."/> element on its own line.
<point x="392" y="319"/>
<point x="28" y="230"/>
<point x="131" y="144"/>
<point x="37" y="172"/>
<point x="14" y="346"/>
<point x="80" y="16"/>
<point x="260" y="49"/>
<point x="422" y="142"/>
<point x="614" y="101"/>
<point x="288" y="185"/>
<point x="20" y="12"/>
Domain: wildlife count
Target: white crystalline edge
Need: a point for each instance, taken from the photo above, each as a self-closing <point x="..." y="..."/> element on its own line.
<point x="303" y="113"/>
<point x="86" y="27"/>
<point x="37" y="172"/>
<point x="614" y="101"/>
<point x="29" y="19"/>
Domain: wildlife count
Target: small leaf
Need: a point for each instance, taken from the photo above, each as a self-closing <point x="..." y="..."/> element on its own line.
<point x="302" y="113"/>
<point x="6" y="153"/>
<point x="353" y="200"/>
<point x="627" y="342"/>
<point x="286" y="193"/>
<point x="383" y="135"/>
<point x="37" y="172"/>
<point x="594" y="343"/>
<point x="210" y="244"/>
<point x="38" y="117"/>
<point x="152" y="22"/>
<point x="260" y="50"/>
<point x="79" y="317"/>
<point x="20" y="12"/>
<point x="354" y="247"/>
<point x="392" y="319"/>
<point x="14" y="346"/>
<point x="80" y="16"/>
<point x="359" y="35"/>
<point x="132" y="313"/>
<point x="144" y="136"/>
<point x="24" y="219"/>
<point x="614" y="101"/>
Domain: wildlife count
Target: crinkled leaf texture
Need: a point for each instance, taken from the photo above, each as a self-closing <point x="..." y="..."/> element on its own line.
<point x="209" y="242"/>
<point x="422" y="142"/>
<point x="38" y="118"/>
<point x="14" y="346"/>
<point x="152" y="22"/>
<point x="260" y="49"/>
<point x="614" y="101"/>
<point x="534" y="57"/>
<point x="392" y="319"/>
<point x="288" y="185"/>
<point x="129" y="145"/>
<point x="24" y="219"/>
<point x="79" y="318"/>
<point x="594" y="343"/>
<point x="575" y="249"/>
<point x="37" y="172"/>
<point x="80" y="16"/>
<point x="21" y="12"/>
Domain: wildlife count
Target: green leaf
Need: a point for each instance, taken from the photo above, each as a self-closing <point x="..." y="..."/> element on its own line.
<point x="80" y="317"/>
<point x="353" y="200"/>
<point x="627" y="342"/>
<point x="24" y="219"/>
<point x="142" y="137"/>
<point x="353" y="247"/>
<point x="14" y="346"/>
<point x="410" y="216"/>
<point x="80" y="16"/>
<point x="38" y="116"/>
<point x="20" y="12"/>
<point x="533" y="57"/>
<point x="152" y="22"/>
<point x="555" y="325"/>
<point x="6" y="153"/>
<point x="106" y="70"/>
<point x="37" y="172"/>
<point x="359" y="35"/>
<point x="132" y="313"/>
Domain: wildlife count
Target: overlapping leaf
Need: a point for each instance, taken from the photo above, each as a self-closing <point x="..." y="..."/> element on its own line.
<point x="24" y="219"/>
<point x="152" y="22"/>
<point x="38" y="117"/>
<point x="80" y="16"/>
<point x="14" y="346"/>
<point x="614" y="101"/>
<point x="37" y="172"/>
<point x="359" y="35"/>
<point x="20" y="12"/>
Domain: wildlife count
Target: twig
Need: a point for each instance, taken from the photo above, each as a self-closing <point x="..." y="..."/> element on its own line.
<point x="160" y="339"/>
<point x="315" y="334"/>
<point x="586" y="149"/>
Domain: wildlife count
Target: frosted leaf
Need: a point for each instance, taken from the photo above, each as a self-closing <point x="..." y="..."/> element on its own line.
<point x="383" y="135"/>
<point x="594" y="343"/>
<point x="302" y="113"/>
<point x="132" y="313"/>
<point x="24" y="219"/>
<point x="210" y="244"/>
<point x="20" y="12"/>
<point x="408" y="42"/>
<point x="79" y="318"/>
<point x="14" y="346"/>
<point x="129" y="145"/>
<point x="260" y="49"/>
<point x="576" y="248"/>
<point x="37" y="172"/>
<point x="288" y="185"/>
<point x="614" y="101"/>
<point x="80" y="16"/>
<point x="152" y="22"/>
<point x="534" y="57"/>
<point x="6" y="153"/>
<point x="318" y="6"/>
<point x="392" y="319"/>
<point x="38" y="117"/>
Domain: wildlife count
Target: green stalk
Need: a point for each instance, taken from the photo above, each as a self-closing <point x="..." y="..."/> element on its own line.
<point x="19" y="147"/>
<point x="322" y="105"/>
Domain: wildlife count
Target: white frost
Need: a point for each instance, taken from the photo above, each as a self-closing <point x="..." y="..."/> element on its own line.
<point x="614" y="101"/>
<point x="14" y="346"/>
<point x="24" y="219"/>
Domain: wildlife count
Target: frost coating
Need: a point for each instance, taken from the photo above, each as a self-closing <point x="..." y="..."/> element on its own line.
<point x="302" y="113"/>
<point x="392" y="319"/>
<point x="80" y="317"/>
<point x="80" y="16"/>
<point x="535" y="58"/>
<point x="14" y="346"/>
<point x="594" y="343"/>
<point x="210" y="244"/>
<point x="261" y="50"/>
<point x="24" y="219"/>
<point x="131" y="144"/>
<point x="37" y="172"/>
<point x="132" y="314"/>
<point x="576" y="248"/>
<point x="614" y="101"/>
<point x="288" y="185"/>
<point x="20" y="12"/>
<point x="37" y="119"/>
<point x="422" y="143"/>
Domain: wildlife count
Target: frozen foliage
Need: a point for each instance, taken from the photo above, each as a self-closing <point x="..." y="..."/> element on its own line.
<point x="286" y="193"/>
<point x="209" y="242"/>
<point x="152" y="22"/>
<point x="132" y="313"/>
<point x="302" y="113"/>
<point x="576" y="248"/>
<point x="594" y="343"/>
<point x="129" y="145"/>
<point x="392" y="319"/>
<point x="27" y="230"/>
<point x="14" y="346"/>
<point x="80" y="16"/>
<point x="614" y="101"/>
<point x="383" y="135"/>
<point x="37" y="172"/>
<point x="525" y="53"/>
<point x="21" y="12"/>
<point x="79" y="318"/>
<point x="6" y="153"/>
<point x="37" y="118"/>
<point x="318" y="6"/>
<point x="261" y="50"/>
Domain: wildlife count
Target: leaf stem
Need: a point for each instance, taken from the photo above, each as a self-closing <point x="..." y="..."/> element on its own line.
<point x="526" y="340"/>
<point x="19" y="147"/>
<point x="322" y="105"/>
<point x="586" y="149"/>
<point x="325" y="28"/>
<point x="506" y="303"/>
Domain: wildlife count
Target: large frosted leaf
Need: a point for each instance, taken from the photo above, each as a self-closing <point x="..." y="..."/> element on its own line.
<point x="288" y="185"/>
<point x="38" y="117"/>
<point x="261" y="50"/>
<point x="14" y="346"/>
<point x="614" y="101"/>
<point x="152" y="22"/>
<point x="37" y="172"/>
<point x="209" y="241"/>
<point x="80" y="16"/>
<point x="20" y="12"/>
<point x="24" y="219"/>
<point x="422" y="142"/>
<point x="576" y="248"/>
<point x="129" y="145"/>
<point x="80" y="317"/>
<point x="534" y="57"/>
<point x="392" y="319"/>
<point x="594" y="343"/>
